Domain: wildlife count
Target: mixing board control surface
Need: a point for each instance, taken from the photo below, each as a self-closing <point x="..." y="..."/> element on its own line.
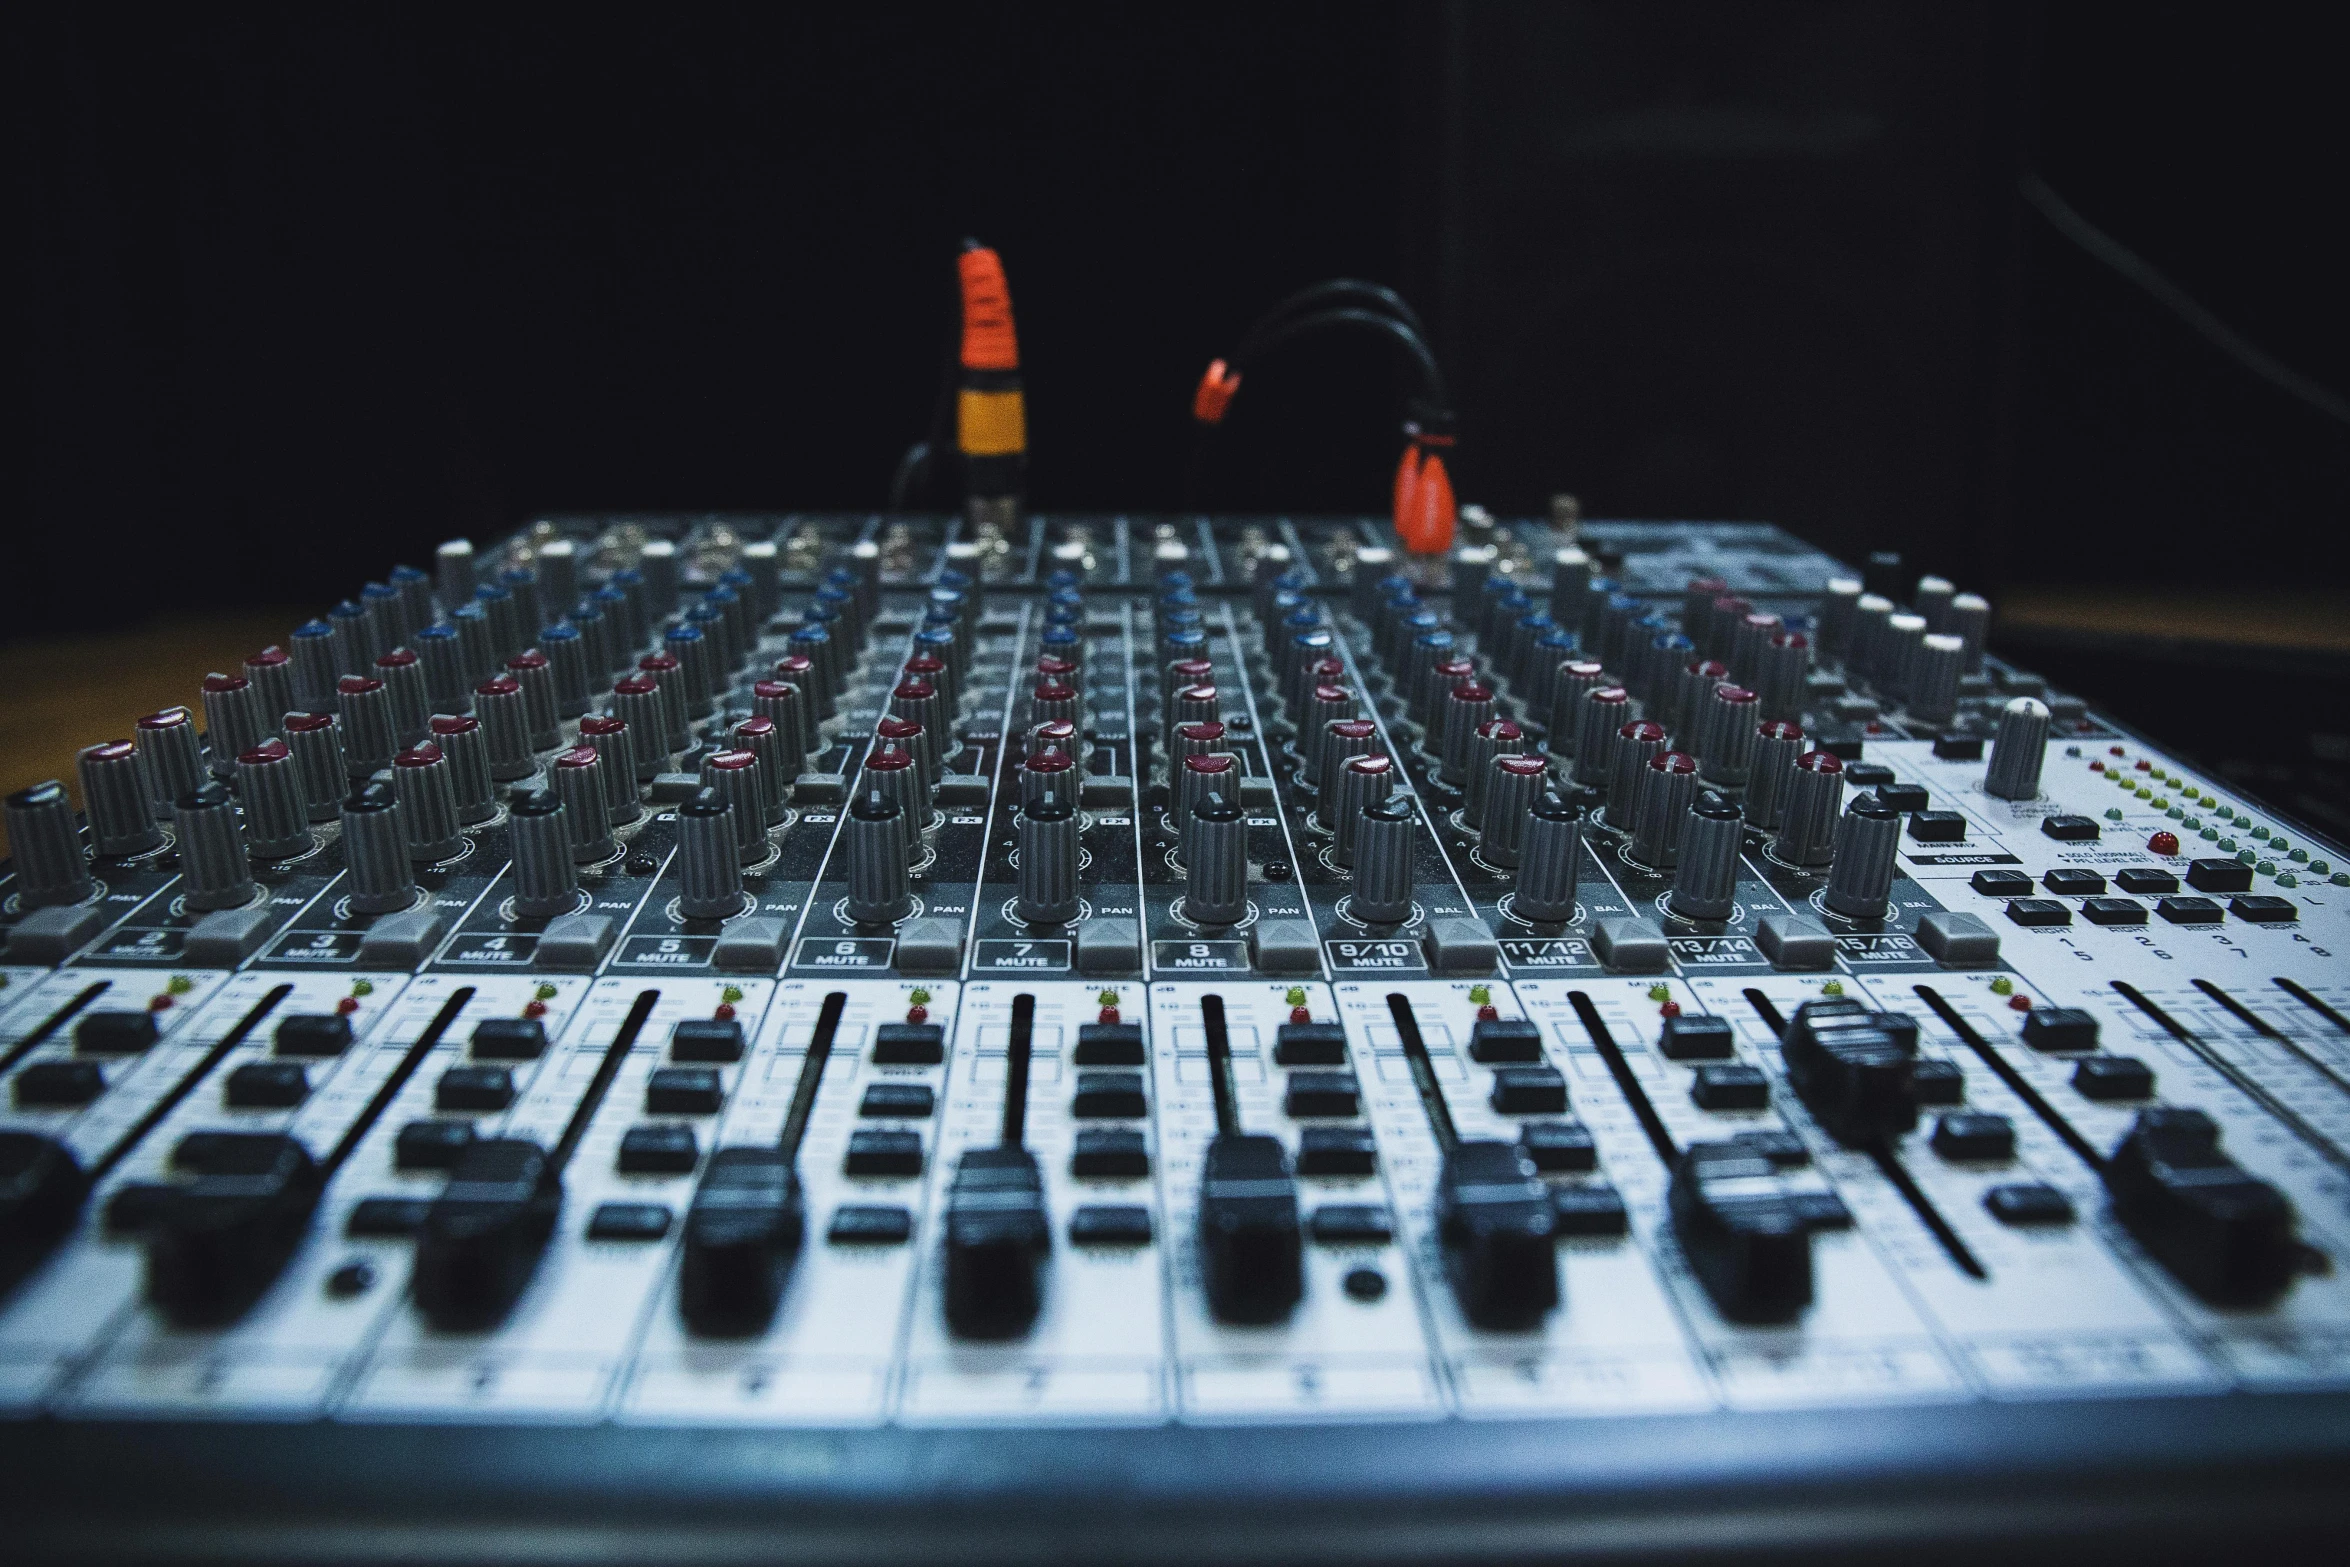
<point x="883" y="989"/>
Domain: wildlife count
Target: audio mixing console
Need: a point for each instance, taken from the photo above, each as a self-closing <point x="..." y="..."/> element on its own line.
<point x="833" y="1035"/>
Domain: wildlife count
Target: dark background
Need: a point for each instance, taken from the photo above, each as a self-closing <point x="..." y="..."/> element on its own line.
<point x="302" y="291"/>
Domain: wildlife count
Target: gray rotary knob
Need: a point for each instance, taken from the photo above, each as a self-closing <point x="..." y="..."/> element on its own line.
<point x="316" y="740"/>
<point x="664" y="670"/>
<point x="2018" y="750"/>
<point x="578" y="777"/>
<point x="232" y="720"/>
<point x="897" y="772"/>
<point x="1386" y="840"/>
<point x="1574" y="680"/>
<point x="371" y="735"/>
<point x="734" y="777"/>
<point x="1693" y="690"/>
<point x="926" y="667"/>
<point x="277" y="817"/>
<point x="477" y="644"/>
<point x="1513" y="784"/>
<point x="354" y="637"/>
<point x="271" y="672"/>
<point x="1838" y="606"/>
<point x="214" y="872"/>
<point x="1705" y="882"/>
<point x="1431" y="664"/>
<point x="1661" y="809"/>
<point x="114" y="792"/>
<point x="786" y="707"/>
<point x="1215" y="862"/>
<point x="558" y="568"/>
<point x="1931" y="599"/>
<point x="1969" y="620"/>
<point x="459" y="738"/>
<point x="1860" y="882"/>
<point x="1807" y="827"/>
<point x="1323" y="706"/>
<point x="166" y="742"/>
<point x="1182" y="673"/>
<point x="1200" y="776"/>
<point x="312" y="652"/>
<point x="1897" y="651"/>
<point x="1570" y="582"/>
<point x="375" y="852"/>
<point x="1464" y="708"/>
<point x="1935" y="671"/>
<point x="1786" y="661"/>
<point x="698" y="674"/>
<point x="1496" y="737"/>
<point x="454" y="575"/>
<point x="422" y="782"/>
<point x="599" y="634"/>
<point x="1550" y="861"/>
<point x="762" y="739"/>
<point x="505" y="728"/>
<point x="1048" y="862"/>
<point x="662" y="573"/>
<point x="534" y="673"/>
<point x="1606" y="709"/>
<point x="637" y="702"/>
<point x="447" y="687"/>
<point x="609" y="738"/>
<point x="47" y="847"/>
<point x="566" y="652"/>
<point x="709" y="867"/>
<point x="1360" y="781"/>
<point x="1776" y="746"/>
<point x="1055" y="736"/>
<point x="878" y="890"/>
<point x="1046" y="772"/>
<point x="402" y="672"/>
<point x="1342" y="741"/>
<point x="1197" y="704"/>
<point x="1637" y="744"/>
<point x="1724" y="734"/>
<point x="546" y="879"/>
<point x="918" y="702"/>
<point x="1748" y="639"/>
<point x="1869" y="614"/>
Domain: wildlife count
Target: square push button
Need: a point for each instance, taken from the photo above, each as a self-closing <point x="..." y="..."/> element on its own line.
<point x="898" y="1101"/>
<point x="2060" y="1028"/>
<point x="1730" y="1086"/>
<point x="684" y="1090"/>
<point x="1336" y="1150"/>
<point x="1109" y="1044"/>
<point x="2071" y="881"/>
<point x="2219" y="876"/>
<point x="659" y="1148"/>
<point x="1938" y="827"/>
<point x="909" y="1044"/>
<point x="2113" y="911"/>
<point x="1311" y="1044"/>
<point x="266" y="1085"/>
<point x="1507" y="1039"/>
<point x="1110" y="1152"/>
<point x="1321" y="1094"/>
<point x="474" y="1088"/>
<point x="509" y="1039"/>
<point x="1108" y="1096"/>
<point x="2190" y="911"/>
<point x="707" y="1039"/>
<point x="2145" y="879"/>
<point x="2002" y="884"/>
<point x="1589" y="1212"/>
<point x="315" y="1034"/>
<point x="2070" y="829"/>
<point x="1696" y="1036"/>
<point x="2037" y="913"/>
<point x="1559" y="1147"/>
<point x="2262" y="909"/>
<point x="1529" y="1090"/>
<point x="2113" y="1077"/>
